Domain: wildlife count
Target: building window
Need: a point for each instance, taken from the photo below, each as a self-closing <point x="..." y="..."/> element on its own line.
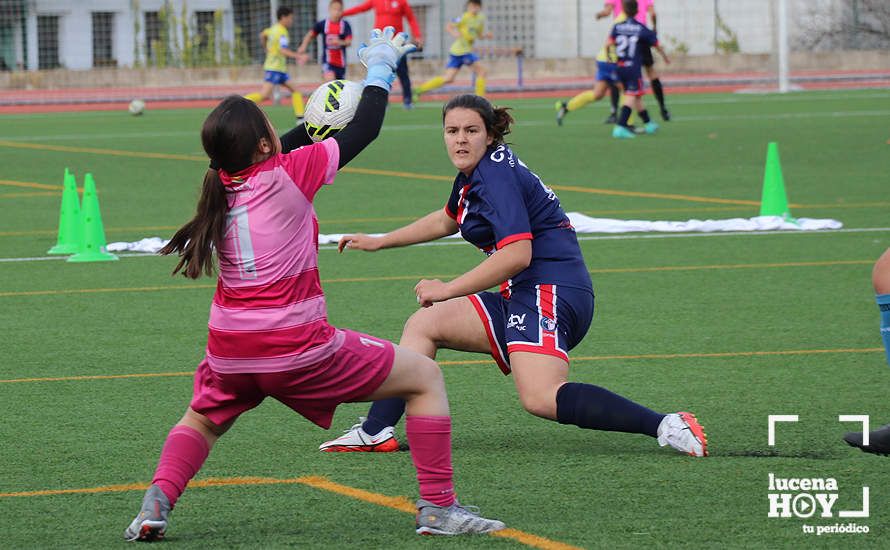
<point x="206" y="31"/>
<point x="103" y="39"/>
<point x="152" y="36"/>
<point x="48" y="41"/>
<point x="251" y="17"/>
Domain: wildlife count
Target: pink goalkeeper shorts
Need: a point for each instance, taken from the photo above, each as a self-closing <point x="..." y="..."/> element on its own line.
<point x="353" y="372"/>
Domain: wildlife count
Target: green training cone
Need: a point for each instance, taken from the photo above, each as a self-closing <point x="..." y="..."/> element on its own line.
<point x="773" y="201"/>
<point x="92" y="235"/>
<point x="68" y="241"/>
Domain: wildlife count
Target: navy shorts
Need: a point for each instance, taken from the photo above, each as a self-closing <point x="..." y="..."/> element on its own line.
<point x="606" y="71"/>
<point x="545" y="319"/>
<point x="456" y="61"/>
<point x="275" y="77"/>
<point x="339" y="72"/>
<point x="631" y="79"/>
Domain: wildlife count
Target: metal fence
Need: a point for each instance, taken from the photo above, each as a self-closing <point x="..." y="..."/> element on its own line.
<point x="48" y="34"/>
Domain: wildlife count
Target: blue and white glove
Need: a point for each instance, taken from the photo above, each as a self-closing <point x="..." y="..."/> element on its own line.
<point x="382" y="56"/>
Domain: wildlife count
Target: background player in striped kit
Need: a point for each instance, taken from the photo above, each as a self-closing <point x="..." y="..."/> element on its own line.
<point x="276" y="41"/>
<point x="336" y="36"/>
<point x="645" y="12"/>
<point x="466" y="29"/>
<point x="629" y="37"/>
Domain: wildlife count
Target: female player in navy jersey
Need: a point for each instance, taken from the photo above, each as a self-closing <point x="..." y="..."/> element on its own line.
<point x="546" y="301"/>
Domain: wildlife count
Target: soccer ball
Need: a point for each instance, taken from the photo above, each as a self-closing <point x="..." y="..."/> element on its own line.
<point x="331" y="107"/>
<point x="136" y="107"/>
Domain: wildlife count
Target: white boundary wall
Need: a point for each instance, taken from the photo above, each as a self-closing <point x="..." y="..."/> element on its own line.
<point x="562" y="28"/>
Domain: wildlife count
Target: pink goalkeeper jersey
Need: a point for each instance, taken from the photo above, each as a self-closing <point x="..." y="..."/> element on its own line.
<point x="268" y="313"/>
<point x="642" y="9"/>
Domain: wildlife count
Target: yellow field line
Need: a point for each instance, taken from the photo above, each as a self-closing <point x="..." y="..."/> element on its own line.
<point x="690" y="198"/>
<point x="30" y="184"/>
<point x="96" y="151"/>
<point x="31" y="194"/>
<point x="98" y="377"/>
<point x="369" y="171"/>
<point x="35" y="232"/>
<point x="402" y="504"/>
<point x="104" y="290"/>
<point x="727" y="266"/>
<point x="395" y="174"/>
<point x="604" y="270"/>
<point x="391" y="173"/>
<point x="575" y="360"/>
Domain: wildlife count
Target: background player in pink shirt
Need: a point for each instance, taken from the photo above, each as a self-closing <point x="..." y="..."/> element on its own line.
<point x="268" y="331"/>
<point x="645" y="12"/>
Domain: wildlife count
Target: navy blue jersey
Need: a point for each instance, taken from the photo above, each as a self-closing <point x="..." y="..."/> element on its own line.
<point x="629" y="37"/>
<point x="503" y="202"/>
<point x="332" y="53"/>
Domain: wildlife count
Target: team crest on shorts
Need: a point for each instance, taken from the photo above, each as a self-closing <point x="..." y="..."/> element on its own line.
<point x="548" y="324"/>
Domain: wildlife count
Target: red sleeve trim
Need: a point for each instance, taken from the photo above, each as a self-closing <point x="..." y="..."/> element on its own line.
<point x="512" y="239"/>
<point x="450" y="214"/>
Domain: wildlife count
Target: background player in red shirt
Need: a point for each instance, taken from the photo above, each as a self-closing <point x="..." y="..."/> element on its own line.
<point x="389" y="13"/>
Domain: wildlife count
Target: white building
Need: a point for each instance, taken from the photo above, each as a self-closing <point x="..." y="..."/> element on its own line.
<point x="81" y="34"/>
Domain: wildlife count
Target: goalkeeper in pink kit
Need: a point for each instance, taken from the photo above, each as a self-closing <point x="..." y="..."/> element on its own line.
<point x="268" y="331"/>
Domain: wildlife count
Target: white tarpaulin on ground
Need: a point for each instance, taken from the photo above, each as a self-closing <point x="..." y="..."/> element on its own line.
<point x="586" y="224"/>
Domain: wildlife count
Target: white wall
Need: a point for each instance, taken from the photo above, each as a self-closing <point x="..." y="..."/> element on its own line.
<point x="76" y="23"/>
<point x="563" y="28"/>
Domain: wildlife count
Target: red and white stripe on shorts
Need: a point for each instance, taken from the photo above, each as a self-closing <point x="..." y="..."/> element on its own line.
<point x="548" y="337"/>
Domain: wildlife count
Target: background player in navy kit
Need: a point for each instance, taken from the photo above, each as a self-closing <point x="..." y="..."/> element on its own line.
<point x="336" y="36"/>
<point x="546" y="303"/>
<point x="628" y="36"/>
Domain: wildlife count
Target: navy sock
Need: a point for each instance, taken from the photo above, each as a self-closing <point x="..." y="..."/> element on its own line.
<point x="884" y="303"/>
<point x="596" y="408"/>
<point x="614" y="96"/>
<point x="383" y="413"/>
<point x="624" y="116"/>
<point x="659" y="92"/>
<point x="644" y="115"/>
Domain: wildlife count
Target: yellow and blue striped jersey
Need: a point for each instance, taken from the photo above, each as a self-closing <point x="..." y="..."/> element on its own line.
<point x="470" y="27"/>
<point x="277" y="37"/>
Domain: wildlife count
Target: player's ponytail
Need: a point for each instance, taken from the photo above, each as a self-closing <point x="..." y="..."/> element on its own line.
<point x="195" y="241"/>
<point x="497" y="120"/>
<point x="230" y="135"/>
<point x="500" y="126"/>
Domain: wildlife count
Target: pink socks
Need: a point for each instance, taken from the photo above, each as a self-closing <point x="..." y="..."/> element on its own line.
<point x="429" y="438"/>
<point x="182" y="456"/>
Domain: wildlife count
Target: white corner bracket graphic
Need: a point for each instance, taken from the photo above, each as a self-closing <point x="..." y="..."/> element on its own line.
<point x="863" y="418"/>
<point x="857" y="513"/>
<point x="772" y="419"/>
